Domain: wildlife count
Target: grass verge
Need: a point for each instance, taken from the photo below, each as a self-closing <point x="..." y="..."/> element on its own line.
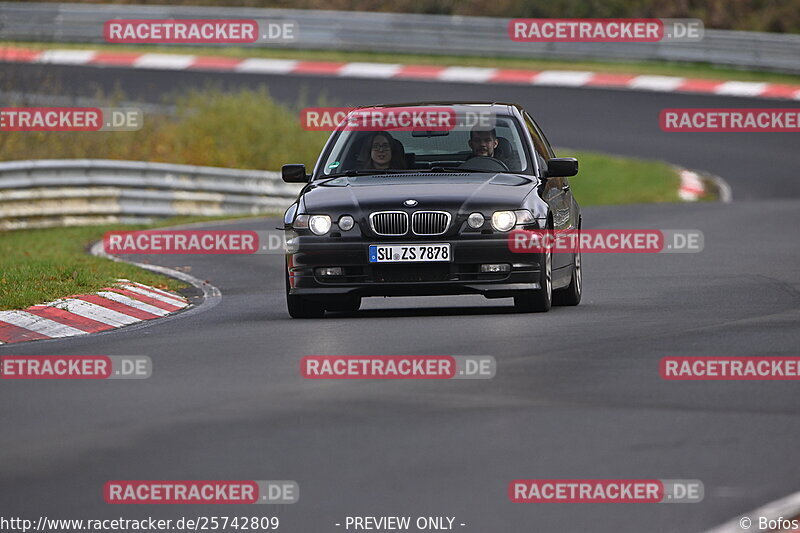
<point x="607" y="180"/>
<point x="41" y="265"/>
<point x="665" y="68"/>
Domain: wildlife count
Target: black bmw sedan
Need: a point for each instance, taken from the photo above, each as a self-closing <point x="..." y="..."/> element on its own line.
<point x="421" y="199"/>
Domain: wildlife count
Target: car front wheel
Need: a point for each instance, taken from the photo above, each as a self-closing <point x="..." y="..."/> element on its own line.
<point x="538" y="301"/>
<point x="348" y="305"/>
<point x="300" y="307"/>
<point x="571" y="294"/>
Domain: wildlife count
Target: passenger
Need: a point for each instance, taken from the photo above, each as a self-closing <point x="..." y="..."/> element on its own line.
<point x="381" y="151"/>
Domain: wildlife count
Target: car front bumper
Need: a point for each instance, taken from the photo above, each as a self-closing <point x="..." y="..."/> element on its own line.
<point x="462" y="275"/>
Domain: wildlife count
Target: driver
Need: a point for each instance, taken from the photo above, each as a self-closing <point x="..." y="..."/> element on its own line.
<point x="482" y="142"/>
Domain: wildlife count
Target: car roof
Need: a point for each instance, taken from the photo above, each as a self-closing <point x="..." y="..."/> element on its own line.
<point x="497" y="107"/>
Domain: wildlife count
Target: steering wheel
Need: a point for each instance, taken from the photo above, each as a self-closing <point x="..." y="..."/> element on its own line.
<point x="484" y="162"/>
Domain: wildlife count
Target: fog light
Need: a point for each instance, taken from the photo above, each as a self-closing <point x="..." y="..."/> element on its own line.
<point x="346" y="223"/>
<point x="496" y="267"/>
<point x="475" y="220"/>
<point x="329" y="272"/>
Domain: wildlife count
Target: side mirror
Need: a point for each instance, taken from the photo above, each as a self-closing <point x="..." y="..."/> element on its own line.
<point x="294" y="174"/>
<point x="562" y="167"/>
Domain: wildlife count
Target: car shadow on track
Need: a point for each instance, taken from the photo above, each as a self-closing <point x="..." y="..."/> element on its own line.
<point x="426" y="311"/>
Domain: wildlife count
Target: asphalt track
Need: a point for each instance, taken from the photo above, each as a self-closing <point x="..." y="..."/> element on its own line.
<point x="577" y="392"/>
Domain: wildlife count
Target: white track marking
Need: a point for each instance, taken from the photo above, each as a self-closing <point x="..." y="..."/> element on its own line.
<point x="66" y="57"/>
<point x="155" y="295"/>
<point x="266" y="66"/>
<point x="741" y="88"/>
<point x="130" y="302"/>
<point x="466" y="74"/>
<point x="563" y="78"/>
<point x="656" y="83"/>
<point x="691" y="186"/>
<point x="164" y="61"/>
<point x="554" y="78"/>
<point x="168" y="294"/>
<point x="95" y="312"/>
<point x="37" y="324"/>
<point x="370" y="70"/>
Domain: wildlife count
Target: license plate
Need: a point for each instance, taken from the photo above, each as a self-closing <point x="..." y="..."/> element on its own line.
<point x="409" y="253"/>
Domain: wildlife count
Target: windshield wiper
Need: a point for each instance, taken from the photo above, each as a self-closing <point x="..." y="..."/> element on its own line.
<point x="456" y="169"/>
<point x="378" y="171"/>
<point x="367" y="172"/>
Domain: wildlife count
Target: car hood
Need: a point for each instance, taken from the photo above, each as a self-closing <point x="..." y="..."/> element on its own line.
<point x="453" y="192"/>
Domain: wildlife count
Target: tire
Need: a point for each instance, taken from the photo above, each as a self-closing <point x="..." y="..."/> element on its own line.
<point x="571" y="294"/>
<point x="539" y="300"/>
<point x="347" y="305"/>
<point x="300" y="307"/>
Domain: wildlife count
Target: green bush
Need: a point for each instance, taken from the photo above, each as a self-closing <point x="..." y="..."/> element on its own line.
<point x="244" y="129"/>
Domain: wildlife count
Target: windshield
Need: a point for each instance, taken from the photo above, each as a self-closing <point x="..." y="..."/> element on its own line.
<point x="496" y="147"/>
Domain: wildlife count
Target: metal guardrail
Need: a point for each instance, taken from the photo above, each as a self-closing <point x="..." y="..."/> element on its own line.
<point x="57" y="192"/>
<point x="410" y="33"/>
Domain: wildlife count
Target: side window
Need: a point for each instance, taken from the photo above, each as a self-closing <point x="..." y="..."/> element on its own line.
<point x="543" y="151"/>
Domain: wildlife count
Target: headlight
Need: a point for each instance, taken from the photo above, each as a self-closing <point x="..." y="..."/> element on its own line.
<point x="503" y="220"/>
<point x="319" y="224"/>
<point x="475" y="220"/>
<point x="346" y="222"/>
